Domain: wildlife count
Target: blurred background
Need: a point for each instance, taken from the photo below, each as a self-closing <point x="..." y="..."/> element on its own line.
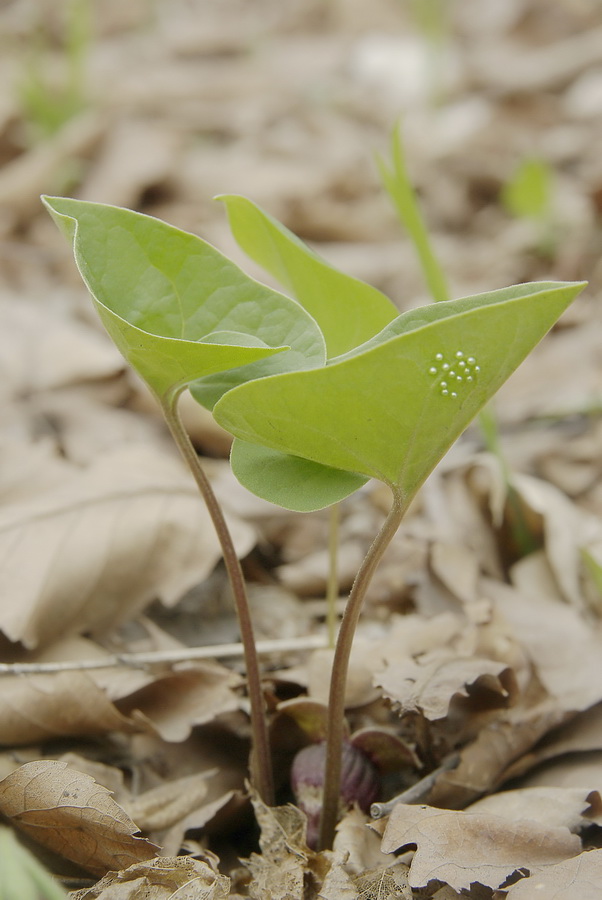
<point x="159" y="105"/>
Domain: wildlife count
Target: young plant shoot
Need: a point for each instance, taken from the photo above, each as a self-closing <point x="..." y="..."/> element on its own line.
<point x="179" y="310"/>
<point x="321" y="394"/>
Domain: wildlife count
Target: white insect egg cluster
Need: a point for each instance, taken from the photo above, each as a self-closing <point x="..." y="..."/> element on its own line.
<point x="455" y="374"/>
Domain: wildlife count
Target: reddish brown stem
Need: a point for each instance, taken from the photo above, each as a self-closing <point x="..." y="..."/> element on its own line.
<point x="261" y="761"/>
<point x="340" y="666"/>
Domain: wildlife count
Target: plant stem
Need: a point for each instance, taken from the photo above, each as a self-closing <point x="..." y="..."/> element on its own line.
<point x="332" y="588"/>
<point x="261" y="762"/>
<point x="340" y="666"/>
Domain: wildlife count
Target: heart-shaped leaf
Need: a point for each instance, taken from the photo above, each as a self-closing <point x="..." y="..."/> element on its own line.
<point x="177" y="308"/>
<point x="291" y="481"/>
<point x="347" y="310"/>
<point x="392" y="410"/>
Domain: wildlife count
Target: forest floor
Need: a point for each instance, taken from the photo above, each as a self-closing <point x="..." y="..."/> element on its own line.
<point x="480" y="647"/>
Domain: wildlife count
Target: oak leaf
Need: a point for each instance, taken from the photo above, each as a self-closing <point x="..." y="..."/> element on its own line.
<point x="459" y="848"/>
<point x="578" y="878"/>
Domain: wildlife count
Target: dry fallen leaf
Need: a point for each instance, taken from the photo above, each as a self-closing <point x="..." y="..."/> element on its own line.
<point x="28" y="469"/>
<point x="574" y="808"/>
<point x="72" y="815"/>
<point x="568" y="636"/>
<point x="486" y="762"/>
<point x="459" y="848"/>
<point x="191" y="694"/>
<point x="360" y="844"/>
<point x="339" y="884"/>
<point x="566" y="529"/>
<point x="43" y="348"/>
<point x="91" y="554"/>
<point x="578" y="878"/>
<point x="429" y="685"/>
<point x="39" y="707"/>
<point x="167" y="878"/>
<point x="159" y="808"/>
<point x="279" y="872"/>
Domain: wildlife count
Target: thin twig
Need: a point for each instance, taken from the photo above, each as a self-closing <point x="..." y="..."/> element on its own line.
<point x="417" y="792"/>
<point x="155" y="657"/>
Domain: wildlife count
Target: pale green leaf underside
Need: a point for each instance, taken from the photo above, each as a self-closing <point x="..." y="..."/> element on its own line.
<point x="347" y="310"/>
<point x="290" y="481"/>
<point x="162" y="293"/>
<point x="390" y="411"/>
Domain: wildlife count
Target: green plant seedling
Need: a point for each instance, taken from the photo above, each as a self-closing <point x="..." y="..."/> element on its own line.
<point x="398" y="184"/>
<point x="388" y="409"/>
<point x="528" y="193"/>
<point x="387" y="403"/>
<point x="48" y="106"/>
<point x="178" y="311"/>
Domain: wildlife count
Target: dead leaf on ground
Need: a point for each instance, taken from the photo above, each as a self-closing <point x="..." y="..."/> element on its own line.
<point x="486" y="762"/>
<point x="72" y="815"/>
<point x="429" y="686"/>
<point x="359" y="842"/>
<point x="573" y="808"/>
<point x="566" y="529"/>
<point x="138" y="153"/>
<point x="578" y="878"/>
<point x="28" y="469"/>
<point x="189" y="695"/>
<point x="279" y="872"/>
<point x="44" y="348"/>
<point x="167" y="878"/>
<point x="40" y="707"/>
<point x="384" y="882"/>
<point x="167" y="700"/>
<point x="459" y="848"/>
<point x="92" y="553"/>
<point x="159" y="808"/>
<point x="581" y="734"/>
<point x="568" y="636"/>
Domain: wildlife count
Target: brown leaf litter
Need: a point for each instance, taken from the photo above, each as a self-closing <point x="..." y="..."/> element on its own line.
<point x="478" y="655"/>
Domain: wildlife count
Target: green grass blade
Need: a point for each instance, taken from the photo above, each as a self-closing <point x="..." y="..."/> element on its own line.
<point x="397" y="182"/>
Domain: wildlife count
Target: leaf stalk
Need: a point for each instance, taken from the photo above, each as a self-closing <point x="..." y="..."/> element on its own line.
<point x="336" y="705"/>
<point x="261" y="760"/>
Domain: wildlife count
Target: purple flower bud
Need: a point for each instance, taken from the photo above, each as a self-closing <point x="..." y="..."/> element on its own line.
<point x="360" y="783"/>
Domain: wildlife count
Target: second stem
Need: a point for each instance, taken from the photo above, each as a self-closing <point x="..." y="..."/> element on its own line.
<point x="340" y="666"/>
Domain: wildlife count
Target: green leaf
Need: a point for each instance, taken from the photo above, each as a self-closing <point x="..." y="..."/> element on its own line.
<point x="290" y="481"/>
<point x="166" y="297"/>
<point x="396" y="180"/>
<point x="392" y="411"/>
<point x="528" y="194"/>
<point x="347" y="310"/>
<point x="425" y="315"/>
